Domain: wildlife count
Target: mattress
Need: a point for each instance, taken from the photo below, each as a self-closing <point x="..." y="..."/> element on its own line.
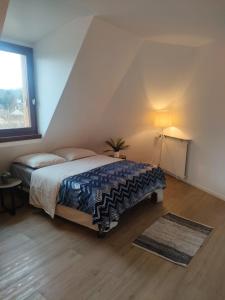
<point x="45" y="182"/>
<point x="22" y="172"/>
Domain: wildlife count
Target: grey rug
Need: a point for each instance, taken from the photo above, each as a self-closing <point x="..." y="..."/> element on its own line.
<point x="174" y="238"/>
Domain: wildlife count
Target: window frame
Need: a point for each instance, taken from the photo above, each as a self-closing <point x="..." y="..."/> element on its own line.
<point x="31" y="132"/>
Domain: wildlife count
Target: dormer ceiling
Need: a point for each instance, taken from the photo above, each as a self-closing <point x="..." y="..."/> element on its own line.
<point x="179" y="21"/>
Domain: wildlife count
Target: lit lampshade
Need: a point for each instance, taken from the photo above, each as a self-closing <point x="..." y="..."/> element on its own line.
<point x="162" y="119"/>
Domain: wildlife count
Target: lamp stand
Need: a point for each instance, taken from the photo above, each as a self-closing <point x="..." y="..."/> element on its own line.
<point x="161" y="136"/>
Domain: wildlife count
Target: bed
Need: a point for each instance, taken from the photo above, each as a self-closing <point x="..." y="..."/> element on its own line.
<point x="92" y="191"/>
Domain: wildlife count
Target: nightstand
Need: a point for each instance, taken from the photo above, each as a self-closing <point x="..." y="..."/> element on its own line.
<point x="10" y="187"/>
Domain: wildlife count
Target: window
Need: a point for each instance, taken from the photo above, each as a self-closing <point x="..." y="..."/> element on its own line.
<point x="17" y="96"/>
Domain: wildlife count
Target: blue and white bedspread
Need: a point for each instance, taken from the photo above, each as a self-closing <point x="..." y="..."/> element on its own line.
<point x="106" y="192"/>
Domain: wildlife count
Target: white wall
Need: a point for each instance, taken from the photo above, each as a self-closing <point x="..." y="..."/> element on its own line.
<point x="201" y="116"/>
<point x="54" y="59"/>
<point x="153" y="81"/>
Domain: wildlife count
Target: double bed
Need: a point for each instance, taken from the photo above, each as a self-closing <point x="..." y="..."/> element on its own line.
<point x="93" y="191"/>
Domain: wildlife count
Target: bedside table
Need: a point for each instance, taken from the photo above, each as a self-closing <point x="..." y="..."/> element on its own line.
<point x="10" y="187"/>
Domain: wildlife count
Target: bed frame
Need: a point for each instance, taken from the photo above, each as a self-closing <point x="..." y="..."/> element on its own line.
<point x="76" y="216"/>
<point x="85" y="219"/>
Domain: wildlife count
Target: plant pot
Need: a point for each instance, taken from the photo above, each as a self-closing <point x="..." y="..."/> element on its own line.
<point x="117" y="154"/>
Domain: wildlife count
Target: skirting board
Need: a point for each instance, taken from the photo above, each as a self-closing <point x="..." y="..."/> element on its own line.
<point x="205" y="189"/>
<point x="200" y="187"/>
<point x="172" y="175"/>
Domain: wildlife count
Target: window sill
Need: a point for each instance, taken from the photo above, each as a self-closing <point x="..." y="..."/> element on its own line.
<point x="10" y="139"/>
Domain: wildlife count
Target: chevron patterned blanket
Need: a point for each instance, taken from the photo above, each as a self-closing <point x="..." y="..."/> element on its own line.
<point x="106" y="192"/>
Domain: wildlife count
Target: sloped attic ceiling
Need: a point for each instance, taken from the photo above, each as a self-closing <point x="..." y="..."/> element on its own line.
<point x="95" y="77"/>
<point x="164" y="20"/>
<point x="60" y="44"/>
<point x="55" y="56"/>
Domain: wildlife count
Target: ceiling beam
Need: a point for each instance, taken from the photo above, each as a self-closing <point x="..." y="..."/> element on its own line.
<point x="3" y="9"/>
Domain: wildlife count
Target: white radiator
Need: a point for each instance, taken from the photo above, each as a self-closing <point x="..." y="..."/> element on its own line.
<point x="174" y="156"/>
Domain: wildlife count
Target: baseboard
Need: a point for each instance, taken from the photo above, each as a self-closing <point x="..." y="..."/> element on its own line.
<point x="207" y="190"/>
<point x="198" y="186"/>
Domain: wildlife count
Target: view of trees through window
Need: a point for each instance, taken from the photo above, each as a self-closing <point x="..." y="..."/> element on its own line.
<point x="14" y="108"/>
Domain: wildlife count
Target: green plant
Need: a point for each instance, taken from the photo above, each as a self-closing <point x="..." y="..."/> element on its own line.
<point x="116" y="145"/>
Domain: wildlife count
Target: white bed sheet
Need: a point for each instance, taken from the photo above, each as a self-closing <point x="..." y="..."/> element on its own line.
<point x="45" y="182"/>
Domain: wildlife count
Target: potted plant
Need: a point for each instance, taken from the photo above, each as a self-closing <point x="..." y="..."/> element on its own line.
<point x="116" y="146"/>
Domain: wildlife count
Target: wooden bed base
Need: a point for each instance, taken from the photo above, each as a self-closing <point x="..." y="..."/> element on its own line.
<point x="76" y="216"/>
<point x="85" y="219"/>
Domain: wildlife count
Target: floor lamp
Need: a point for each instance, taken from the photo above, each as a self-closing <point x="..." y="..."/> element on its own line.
<point x="162" y="121"/>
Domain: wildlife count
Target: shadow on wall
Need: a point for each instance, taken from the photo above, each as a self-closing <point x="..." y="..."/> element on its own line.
<point x="152" y="82"/>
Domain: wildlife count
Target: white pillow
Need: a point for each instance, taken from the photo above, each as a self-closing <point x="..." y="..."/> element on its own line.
<point x="39" y="160"/>
<point x="74" y="153"/>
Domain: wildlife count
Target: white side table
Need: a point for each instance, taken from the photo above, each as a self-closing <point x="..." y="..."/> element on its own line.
<point x="11" y="187"/>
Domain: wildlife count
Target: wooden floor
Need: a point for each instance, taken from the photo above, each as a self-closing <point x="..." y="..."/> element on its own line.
<point x="45" y="259"/>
